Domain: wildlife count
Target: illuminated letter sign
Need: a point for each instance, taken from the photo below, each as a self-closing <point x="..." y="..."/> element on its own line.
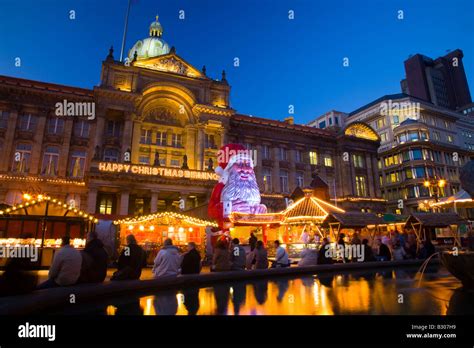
<point x="156" y="171"/>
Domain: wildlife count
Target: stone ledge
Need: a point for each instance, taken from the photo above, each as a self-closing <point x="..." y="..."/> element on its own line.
<point x="41" y="300"/>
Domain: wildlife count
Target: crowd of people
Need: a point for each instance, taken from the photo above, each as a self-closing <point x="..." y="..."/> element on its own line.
<point x="71" y="266"/>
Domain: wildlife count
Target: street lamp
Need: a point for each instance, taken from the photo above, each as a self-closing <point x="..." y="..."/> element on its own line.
<point x="436" y="184"/>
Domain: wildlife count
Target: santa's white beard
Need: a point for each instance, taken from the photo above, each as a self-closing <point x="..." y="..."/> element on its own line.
<point x="237" y="189"/>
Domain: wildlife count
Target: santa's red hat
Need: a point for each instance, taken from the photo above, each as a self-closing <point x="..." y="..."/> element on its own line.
<point x="227" y="156"/>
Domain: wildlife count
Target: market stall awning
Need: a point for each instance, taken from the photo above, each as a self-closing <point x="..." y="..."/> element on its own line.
<point x="389" y="218"/>
<point x="43" y="205"/>
<point x="309" y="209"/>
<point x="152" y="230"/>
<point x="436" y="219"/>
<point x="165" y="218"/>
<point x="353" y="219"/>
<point x="461" y="199"/>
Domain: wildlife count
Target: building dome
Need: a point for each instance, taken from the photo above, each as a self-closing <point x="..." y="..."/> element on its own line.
<point x="152" y="46"/>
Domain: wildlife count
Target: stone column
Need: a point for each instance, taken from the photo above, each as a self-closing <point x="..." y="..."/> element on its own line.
<point x="223" y="136"/>
<point x="92" y="200"/>
<point x="8" y="145"/>
<point x="276" y="171"/>
<point x="37" y="150"/>
<point x="352" y="176"/>
<point x="136" y="141"/>
<point x="154" y="202"/>
<point x="370" y="176"/>
<point x="64" y="152"/>
<point x="376" y="173"/>
<point x="190" y="132"/>
<point x="291" y="170"/>
<point x="200" y="148"/>
<point x="124" y="200"/>
<point x="348" y="178"/>
<point x="97" y="132"/>
<point x="258" y="167"/>
<point x="127" y="135"/>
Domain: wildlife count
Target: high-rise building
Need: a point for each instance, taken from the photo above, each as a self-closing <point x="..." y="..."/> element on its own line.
<point x="441" y="81"/>
<point x="420" y="142"/>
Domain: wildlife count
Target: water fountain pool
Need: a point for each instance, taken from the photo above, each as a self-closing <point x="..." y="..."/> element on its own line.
<point x="363" y="292"/>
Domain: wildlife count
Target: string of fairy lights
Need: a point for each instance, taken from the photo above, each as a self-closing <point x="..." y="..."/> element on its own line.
<point x="38" y="179"/>
<point x="150" y="217"/>
<point x="30" y="200"/>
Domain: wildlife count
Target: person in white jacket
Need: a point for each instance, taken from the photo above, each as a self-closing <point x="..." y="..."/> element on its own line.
<point x="168" y="260"/>
<point x="281" y="257"/>
<point x="66" y="267"/>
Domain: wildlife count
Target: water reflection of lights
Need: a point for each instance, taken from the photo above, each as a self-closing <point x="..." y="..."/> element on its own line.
<point x="146" y="304"/>
<point x="374" y="293"/>
<point x="316" y="292"/>
<point x="111" y="310"/>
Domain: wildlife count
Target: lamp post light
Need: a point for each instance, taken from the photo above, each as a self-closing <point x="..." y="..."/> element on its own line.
<point x="436" y="184"/>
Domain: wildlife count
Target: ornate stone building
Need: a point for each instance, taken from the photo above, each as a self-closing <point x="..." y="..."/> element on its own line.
<point x="146" y="140"/>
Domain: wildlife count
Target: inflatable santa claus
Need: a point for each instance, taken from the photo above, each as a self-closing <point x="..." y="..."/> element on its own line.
<point x="237" y="189"/>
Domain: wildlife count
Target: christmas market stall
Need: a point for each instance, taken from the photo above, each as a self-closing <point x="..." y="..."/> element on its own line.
<point x="440" y="228"/>
<point x="151" y="230"/>
<point x="302" y="223"/>
<point x="366" y="225"/>
<point x="261" y="225"/>
<point x="461" y="203"/>
<point x="42" y="221"/>
<point x="297" y="227"/>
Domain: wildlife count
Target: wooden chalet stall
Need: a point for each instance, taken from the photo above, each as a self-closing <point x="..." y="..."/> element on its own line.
<point x="366" y="224"/>
<point x="297" y="227"/>
<point x="440" y="228"/>
<point x="151" y="230"/>
<point x="461" y="203"/>
<point x="42" y="221"/>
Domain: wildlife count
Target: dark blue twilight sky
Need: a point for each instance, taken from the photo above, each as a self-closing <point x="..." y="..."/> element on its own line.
<point x="282" y="61"/>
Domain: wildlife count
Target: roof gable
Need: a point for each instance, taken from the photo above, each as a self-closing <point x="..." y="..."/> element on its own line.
<point x="169" y="63"/>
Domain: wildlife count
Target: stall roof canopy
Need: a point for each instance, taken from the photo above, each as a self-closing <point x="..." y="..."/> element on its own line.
<point x="461" y="199"/>
<point x="45" y="206"/>
<point x="354" y="219"/>
<point x="165" y="218"/>
<point x="309" y="208"/>
<point x="436" y="219"/>
<point x="393" y="218"/>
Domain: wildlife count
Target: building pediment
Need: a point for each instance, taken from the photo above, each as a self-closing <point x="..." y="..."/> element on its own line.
<point x="169" y="63"/>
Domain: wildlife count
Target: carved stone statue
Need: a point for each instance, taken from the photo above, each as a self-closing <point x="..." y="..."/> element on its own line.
<point x="210" y="165"/>
<point x="156" y="162"/>
<point x="185" y="162"/>
<point x="97" y="153"/>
